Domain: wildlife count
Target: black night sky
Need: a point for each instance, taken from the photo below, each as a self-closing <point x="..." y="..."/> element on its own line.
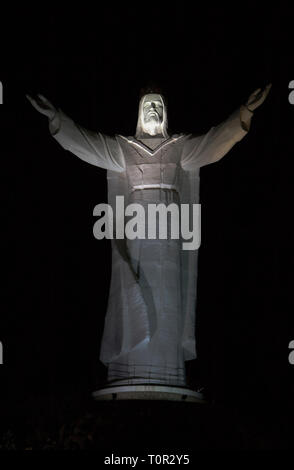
<point x="92" y="63"/>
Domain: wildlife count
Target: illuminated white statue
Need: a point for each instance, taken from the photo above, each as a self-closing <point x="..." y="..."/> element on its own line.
<point x="149" y="328"/>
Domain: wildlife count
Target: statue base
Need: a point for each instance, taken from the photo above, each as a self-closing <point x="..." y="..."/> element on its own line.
<point x="149" y="392"/>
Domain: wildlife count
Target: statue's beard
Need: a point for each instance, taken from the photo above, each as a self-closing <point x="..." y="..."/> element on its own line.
<point x="152" y="125"/>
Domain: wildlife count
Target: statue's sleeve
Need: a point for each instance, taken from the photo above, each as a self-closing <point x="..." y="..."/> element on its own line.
<point x="211" y="147"/>
<point x="92" y="147"/>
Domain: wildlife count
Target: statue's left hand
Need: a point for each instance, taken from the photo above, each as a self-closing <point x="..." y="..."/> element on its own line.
<point x="257" y="97"/>
<point x="44" y="106"/>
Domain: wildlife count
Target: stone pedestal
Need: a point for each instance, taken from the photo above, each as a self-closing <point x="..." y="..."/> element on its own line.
<point x="148" y="392"/>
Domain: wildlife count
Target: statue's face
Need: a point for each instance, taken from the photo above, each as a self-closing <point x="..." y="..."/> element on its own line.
<point x="152" y="110"/>
<point x="152" y="118"/>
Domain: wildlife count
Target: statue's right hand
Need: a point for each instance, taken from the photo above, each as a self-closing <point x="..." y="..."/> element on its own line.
<point x="44" y="106"/>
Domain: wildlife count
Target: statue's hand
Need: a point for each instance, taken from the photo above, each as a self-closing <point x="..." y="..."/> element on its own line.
<point x="257" y="98"/>
<point x="44" y="106"/>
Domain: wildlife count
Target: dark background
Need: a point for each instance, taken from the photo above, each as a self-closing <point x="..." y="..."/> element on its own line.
<point x="55" y="275"/>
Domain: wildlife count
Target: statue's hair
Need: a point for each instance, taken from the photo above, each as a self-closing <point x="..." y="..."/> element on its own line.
<point x="153" y="88"/>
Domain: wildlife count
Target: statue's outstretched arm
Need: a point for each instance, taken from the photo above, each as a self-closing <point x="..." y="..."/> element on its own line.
<point x="92" y="147"/>
<point x="211" y="147"/>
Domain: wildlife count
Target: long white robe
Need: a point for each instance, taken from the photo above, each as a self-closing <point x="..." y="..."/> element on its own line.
<point x="149" y="328"/>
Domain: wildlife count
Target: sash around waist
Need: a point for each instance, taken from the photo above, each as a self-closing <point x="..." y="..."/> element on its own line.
<point x="154" y="194"/>
<point x="155" y="186"/>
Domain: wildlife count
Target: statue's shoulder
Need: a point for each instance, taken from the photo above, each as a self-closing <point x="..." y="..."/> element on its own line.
<point x="180" y="137"/>
<point x="177" y="136"/>
<point x="183" y="136"/>
<point x="127" y="138"/>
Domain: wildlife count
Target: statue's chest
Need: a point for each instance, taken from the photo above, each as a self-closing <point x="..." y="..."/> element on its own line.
<point x="145" y="167"/>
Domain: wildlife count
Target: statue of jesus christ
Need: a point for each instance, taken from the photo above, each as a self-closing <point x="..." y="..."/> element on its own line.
<point x="149" y="329"/>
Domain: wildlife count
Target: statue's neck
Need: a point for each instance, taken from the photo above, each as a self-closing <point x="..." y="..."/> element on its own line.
<point x="145" y="135"/>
